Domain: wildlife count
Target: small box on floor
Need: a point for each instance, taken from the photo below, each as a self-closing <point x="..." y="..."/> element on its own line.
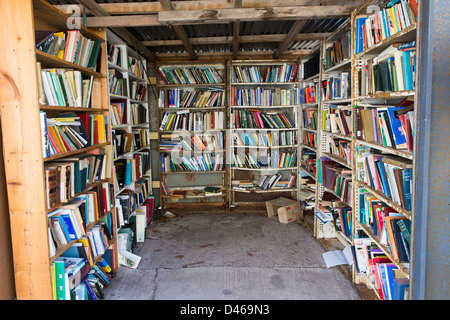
<point x="284" y="210"/>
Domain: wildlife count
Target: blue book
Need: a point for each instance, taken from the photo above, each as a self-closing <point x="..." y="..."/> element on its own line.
<point x="70" y="227"/>
<point x="396" y="124"/>
<point x="406" y="175"/>
<point x="383" y="176"/>
<point x="387" y="274"/>
<point x="128" y="173"/>
<point x="359" y="46"/>
<point x="400" y="285"/>
<point x="407" y="71"/>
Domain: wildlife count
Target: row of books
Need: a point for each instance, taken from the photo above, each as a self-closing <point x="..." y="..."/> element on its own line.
<point x="384" y="275"/>
<point x="392" y="229"/>
<point x="308" y="161"/>
<point x="192" y="121"/>
<point x="337" y="119"/>
<point x="190" y="75"/>
<point x="336" y="87"/>
<point x="396" y="16"/>
<point x="340" y="148"/>
<point x="287" y="72"/>
<point x="258" y="119"/>
<point x="124" y="113"/>
<point x="126" y="204"/>
<point x="204" y="162"/>
<point x="265" y="139"/>
<point x="138" y="91"/>
<point x="71" y="221"/>
<point x="70" y="46"/>
<point x="343" y="220"/>
<point x="265" y="182"/>
<point x="71" y="132"/>
<point x="310" y="139"/>
<point x="310" y="118"/>
<point x="336" y="178"/>
<point x="180" y="98"/>
<point x="114" y="54"/>
<point x="75" y="276"/>
<point x="69" y="176"/>
<point x="64" y="88"/>
<point x="180" y="193"/>
<point x="309" y="93"/>
<point x="263" y="97"/>
<point x="129" y="170"/>
<point x="390" y="175"/>
<point x="125" y="142"/>
<point x="338" y="52"/>
<point x="118" y="84"/>
<point x="393" y="70"/>
<point x="206" y="142"/>
<point x="270" y="160"/>
<point x="136" y="67"/>
<point x="389" y="126"/>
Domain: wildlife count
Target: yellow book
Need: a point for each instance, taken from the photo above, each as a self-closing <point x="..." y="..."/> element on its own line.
<point x="60" y="54"/>
<point x="53" y="277"/>
<point x="100" y="128"/>
<point x="169" y="125"/>
<point x="85" y="242"/>
<point x="392" y="17"/>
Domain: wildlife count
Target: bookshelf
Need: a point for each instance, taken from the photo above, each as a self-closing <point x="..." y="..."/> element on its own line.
<point x="129" y="112"/>
<point x="192" y="134"/>
<point x="308" y="112"/>
<point x="334" y="152"/>
<point x="383" y="88"/>
<point x="33" y="118"/>
<point x="264" y="131"/>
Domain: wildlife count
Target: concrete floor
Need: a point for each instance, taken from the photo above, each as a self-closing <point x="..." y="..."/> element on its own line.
<point x="219" y="256"/>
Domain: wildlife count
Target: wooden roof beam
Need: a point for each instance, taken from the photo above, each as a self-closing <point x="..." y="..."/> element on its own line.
<point x="153" y="7"/>
<point x="180" y="17"/>
<point x="122" y="32"/>
<point x="295" y="29"/>
<point x="242" y="39"/>
<point x="236" y="27"/>
<point x="167" y="5"/>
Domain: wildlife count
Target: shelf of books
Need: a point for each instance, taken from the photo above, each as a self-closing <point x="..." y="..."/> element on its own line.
<point x="263" y="131"/>
<point x="192" y="134"/>
<point x="334" y="180"/>
<point x="69" y="249"/>
<point x="308" y="114"/>
<point x="384" y="117"/>
<point x="129" y="112"/>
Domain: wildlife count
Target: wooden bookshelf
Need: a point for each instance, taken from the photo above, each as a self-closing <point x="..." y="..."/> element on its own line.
<point x="252" y="87"/>
<point x="193" y="90"/>
<point x="24" y="156"/>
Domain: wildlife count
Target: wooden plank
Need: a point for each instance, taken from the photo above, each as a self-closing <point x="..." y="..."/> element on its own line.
<point x="122" y="32"/>
<point x="242" y="38"/>
<point x="123" y="21"/>
<point x="155" y="7"/>
<point x="253" y="14"/>
<point x="167" y="5"/>
<point x="22" y="150"/>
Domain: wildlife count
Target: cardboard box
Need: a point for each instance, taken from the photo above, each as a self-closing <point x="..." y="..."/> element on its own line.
<point x="284" y="210"/>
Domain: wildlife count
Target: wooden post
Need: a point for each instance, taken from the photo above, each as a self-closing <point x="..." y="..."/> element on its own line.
<point x="22" y="148"/>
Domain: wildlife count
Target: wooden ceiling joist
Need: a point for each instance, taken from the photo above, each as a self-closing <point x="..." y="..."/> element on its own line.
<point x="167" y="5"/>
<point x="122" y="32"/>
<point x="183" y="17"/>
<point x="137" y="8"/>
<point x="242" y="39"/>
